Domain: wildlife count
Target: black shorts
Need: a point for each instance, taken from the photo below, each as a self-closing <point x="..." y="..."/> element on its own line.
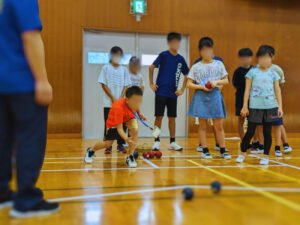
<point x="278" y="122"/>
<point x="111" y="134"/>
<point x="259" y="116"/>
<point x="162" y="102"/>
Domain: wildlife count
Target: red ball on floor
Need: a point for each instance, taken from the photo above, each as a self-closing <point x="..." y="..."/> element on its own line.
<point x="152" y="154"/>
<point x="158" y="155"/>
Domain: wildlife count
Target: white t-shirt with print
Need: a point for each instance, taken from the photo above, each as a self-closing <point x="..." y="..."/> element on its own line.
<point x="115" y="79"/>
<point x="136" y="80"/>
<point x="202" y="73"/>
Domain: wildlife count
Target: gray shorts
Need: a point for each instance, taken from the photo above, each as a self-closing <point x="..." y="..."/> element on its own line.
<point x="263" y="115"/>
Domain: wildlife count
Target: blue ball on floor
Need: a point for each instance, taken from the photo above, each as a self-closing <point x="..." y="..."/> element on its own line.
<point x="188" y="193"/>
<point x="216" y="187"/>
<point x="135" y="155"/>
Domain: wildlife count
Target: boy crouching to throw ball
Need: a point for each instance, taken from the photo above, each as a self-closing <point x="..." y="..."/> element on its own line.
<point x="121" y="112"/>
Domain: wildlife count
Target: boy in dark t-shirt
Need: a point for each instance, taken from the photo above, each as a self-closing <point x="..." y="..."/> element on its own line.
<point x="171" y="65"/>
<point x="239" y="82"/>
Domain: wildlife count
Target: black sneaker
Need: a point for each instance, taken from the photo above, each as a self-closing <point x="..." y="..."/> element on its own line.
<point x="121" y="149"/>
<point x="41" y="209"/>
<point x="88" y="158"/>
<point x="6" y="200"/>
<point x="108" y="150"/>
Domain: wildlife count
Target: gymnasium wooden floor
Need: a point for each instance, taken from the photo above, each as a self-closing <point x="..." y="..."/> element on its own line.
<point x="107" y="192"/>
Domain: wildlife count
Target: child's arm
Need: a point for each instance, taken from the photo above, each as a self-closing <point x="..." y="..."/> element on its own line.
<point x="191" y="85"/>
<point x="181" y="91"/>
<point x="222" y="82"/>
<point x="278" y="97"/>
<point x="108" y="93"/>
<point x="245" y="110"/>
<point x="122" y="133"/>
<point x="152" y="85"/>
<point x="123" y="92"/>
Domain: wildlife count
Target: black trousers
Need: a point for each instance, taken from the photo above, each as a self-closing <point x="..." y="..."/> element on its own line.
<point x="23" y="130"/>
<point x="120" y="141"/>
<point x="267" y="130"/>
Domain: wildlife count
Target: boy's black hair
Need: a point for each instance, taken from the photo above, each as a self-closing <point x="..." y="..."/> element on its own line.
<point x="264" y="50"/>
<point x="173" y="36"/>
<point x="272" y="49"/>
<point x="116" y="49"/>
<point x="134" y="90"/>
<point x="245" y="52"/>
<point x="206" y="41"/>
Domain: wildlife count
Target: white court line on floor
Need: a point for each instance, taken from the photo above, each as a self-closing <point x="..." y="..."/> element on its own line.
<point x="279" y="163"/>
<point x="149" y="162"/>
<point x="82" y="197"/>
<point x="123" y="157"/>
<point x="153" y="168"/>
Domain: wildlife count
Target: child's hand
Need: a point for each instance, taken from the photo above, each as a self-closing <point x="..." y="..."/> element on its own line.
<point x="113" y="99"/>
<point x="142" y="117"/>
<point x="280" y="112"/>
<point x="43" y="93"/>
<point x="244" y="112"/>
<point x="206" y="89"/>
<point x="213" y="84"/>
<point x="153" y="87"/>
<point x="178" y="92"/>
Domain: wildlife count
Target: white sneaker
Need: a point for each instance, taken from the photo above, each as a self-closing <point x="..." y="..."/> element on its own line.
<point x="287" y="149"/>
<point x="264" y="161"/>
<point x="6" y="204"/>
<point x="240" y="159"/>
<point x="217" y="148"/>
<point x="156" y="146"/>
<point x="199" y="149"/>
<point x="175" y="146"/>
<point x="225" y="155"/>
<point x="88" y="158"/>
<point x="257" y="151"/>
<point x="131" y="161"/>
<point x="278" y="153"/>
<point x="206" y="156"/>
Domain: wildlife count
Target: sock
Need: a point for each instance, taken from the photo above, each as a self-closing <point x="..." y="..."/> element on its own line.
<point x="217" y="145"/>
<point x="261" y="147"/>
<point x="200" y="145"/>
<point x="255" y="144"/>
<point x="277" y="148"/>
<point x="222" y="150"/>
<point x="157" y="139"/>
<point x="205" y="150"/>
<point x="286" y="145"/>
<point x="172" y="140"/>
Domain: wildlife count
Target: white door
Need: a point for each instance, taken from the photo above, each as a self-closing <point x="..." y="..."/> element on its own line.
<point x="96" y="46"/>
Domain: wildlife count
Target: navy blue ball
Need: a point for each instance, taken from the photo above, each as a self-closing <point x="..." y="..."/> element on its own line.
<point x="188" y="193"/>
<point x="135" y="155"/>
<point x="216" y="187"/>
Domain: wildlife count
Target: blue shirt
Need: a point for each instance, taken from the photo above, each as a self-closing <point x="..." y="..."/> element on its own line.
<point x="16" y="17"/>
<point x="262" y="95"/>
<point x="215" y="58"/>
<point x="170" y="69"/>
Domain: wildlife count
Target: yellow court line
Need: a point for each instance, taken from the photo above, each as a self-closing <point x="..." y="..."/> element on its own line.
<point x="283" y="201"/>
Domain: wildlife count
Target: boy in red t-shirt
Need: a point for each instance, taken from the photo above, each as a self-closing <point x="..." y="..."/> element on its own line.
<point x="121" y="112"/>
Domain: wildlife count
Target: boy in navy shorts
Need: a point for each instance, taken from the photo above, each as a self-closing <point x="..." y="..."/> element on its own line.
<point x="171" y="65"/>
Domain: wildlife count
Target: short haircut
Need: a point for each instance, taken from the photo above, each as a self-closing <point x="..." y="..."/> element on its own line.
<point x="206" y="42"/>
<point x="134" y="90"/>
<point x="174" y="36"/>
<point x="116" y="49"/>
<point x="272" y="49"/>
<point x="245" y="52"/>
<point x="134" y="61"/>
<point x="264" y="50"/>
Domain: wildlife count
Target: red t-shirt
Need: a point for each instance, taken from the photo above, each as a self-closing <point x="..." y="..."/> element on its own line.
<point x="118" y="114"/>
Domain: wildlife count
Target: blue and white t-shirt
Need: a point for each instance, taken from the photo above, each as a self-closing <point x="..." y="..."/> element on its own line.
<point x="201" y="73"/>
<point x="136" y="80"/>
<point x="170" y="69"/>
<point x="16" y="18"/>
<point x="115" y="79"/>
<point x="262" y="95"/>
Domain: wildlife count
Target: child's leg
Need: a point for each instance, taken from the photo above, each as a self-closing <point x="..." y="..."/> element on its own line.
<point x="158" y="121"/>
<point x="283" y="135"/>
<point x="220" y="136"/>
<point x="134" y="137"/>
<point x="202" y="132"/>
<point x="172" y="127"/>
<point x="120" y="140"/>
<point x="248" y="136"/>
<point x="260" y="134"/>
<point x="240" y="126"/>
<point x="277" y="135"/>
<point x="255" y="137"/>
<point x="102" y="145"/>
<point x="215" y="134"/>
<point x="267" y="131"/>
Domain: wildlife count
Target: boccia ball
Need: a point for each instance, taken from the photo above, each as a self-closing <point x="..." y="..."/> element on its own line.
<point x="158" y="155"/>
<point x="188" y="193"/>
<point x="152" y="154"/>
<point x="208" y="85"/>
<point x="135" y="155"/>
<point x="216" y="187"/>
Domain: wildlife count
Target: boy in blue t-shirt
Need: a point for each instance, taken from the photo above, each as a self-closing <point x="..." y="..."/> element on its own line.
<point x="171" y="65"/>
<point x="25" y="94"/>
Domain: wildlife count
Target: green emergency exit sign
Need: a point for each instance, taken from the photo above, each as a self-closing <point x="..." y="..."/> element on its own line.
<point x="139" y="7"/>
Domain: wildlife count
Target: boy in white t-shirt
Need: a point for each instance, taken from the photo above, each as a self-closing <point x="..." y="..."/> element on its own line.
<point x="114" y="79"/>
<point x="134" y="71"/>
